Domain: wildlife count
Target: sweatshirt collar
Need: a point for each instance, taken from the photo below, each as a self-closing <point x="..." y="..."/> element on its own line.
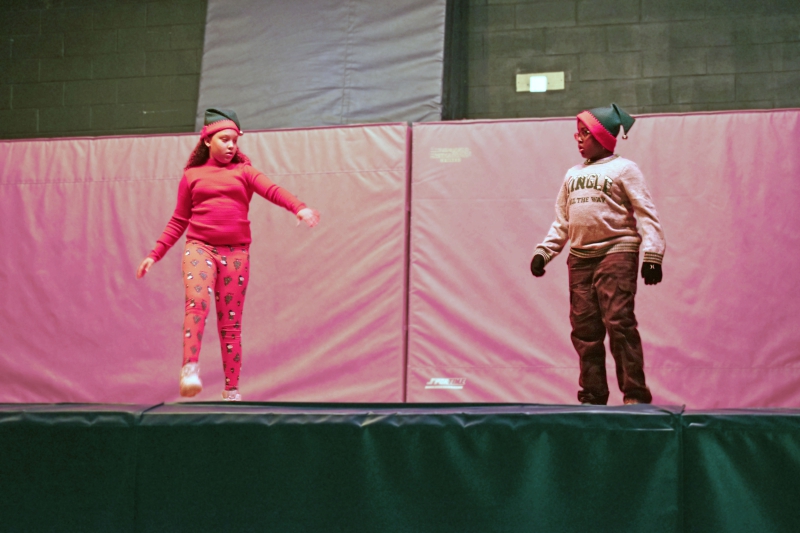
<point x="600" y="161"/>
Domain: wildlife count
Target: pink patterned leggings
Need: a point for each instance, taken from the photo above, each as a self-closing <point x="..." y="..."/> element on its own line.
<point x="221" y="271"/>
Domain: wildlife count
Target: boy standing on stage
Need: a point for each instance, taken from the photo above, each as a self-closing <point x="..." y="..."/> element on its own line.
<point x="595" y="211"/>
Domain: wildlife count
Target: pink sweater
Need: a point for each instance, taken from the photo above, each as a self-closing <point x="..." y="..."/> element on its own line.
<point x="213" y="202"/>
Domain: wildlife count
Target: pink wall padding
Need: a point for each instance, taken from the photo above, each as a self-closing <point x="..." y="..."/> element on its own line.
<point x="719" y="331"/>
<point x="325" y="307"/>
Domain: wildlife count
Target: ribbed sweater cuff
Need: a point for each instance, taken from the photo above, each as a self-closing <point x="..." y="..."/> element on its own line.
<point x="652" y="257"/>
<point x="541" y="251"/>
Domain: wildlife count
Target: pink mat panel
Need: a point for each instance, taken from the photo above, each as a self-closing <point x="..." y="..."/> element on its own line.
<point x="719" y="331"/>
<point x="324" y="312"/>
<point x="324" y="319"/>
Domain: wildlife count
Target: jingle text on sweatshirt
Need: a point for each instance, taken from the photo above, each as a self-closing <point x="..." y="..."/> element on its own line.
<point x="597" y="210"/>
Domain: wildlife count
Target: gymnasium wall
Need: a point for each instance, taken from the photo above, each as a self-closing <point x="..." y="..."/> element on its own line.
<point x="325" y="306"/>
<point x="87" y="67"/>
<point x="649" y="56"/>
<point x="717" y="332"/>
<point x="116" y="67"/>
<point x="327" y="314"/>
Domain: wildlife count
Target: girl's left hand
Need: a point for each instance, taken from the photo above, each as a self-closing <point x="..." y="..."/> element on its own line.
<point x="144" y="267"/>
<point x="309" y="216"/>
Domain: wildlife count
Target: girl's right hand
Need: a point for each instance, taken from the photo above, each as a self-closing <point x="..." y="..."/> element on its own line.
<point x="309" y="216"/>
<point x="144" y="267"/>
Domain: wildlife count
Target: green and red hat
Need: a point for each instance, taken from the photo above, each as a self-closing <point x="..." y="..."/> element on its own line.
<point x="220" y="119"/>
<point x="604" y="123"/>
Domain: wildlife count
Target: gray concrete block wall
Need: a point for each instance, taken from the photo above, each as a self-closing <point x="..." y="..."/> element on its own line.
<point x="111" y="67"/>
<point x="99" y="67"/>
<point x="646" y="55"/>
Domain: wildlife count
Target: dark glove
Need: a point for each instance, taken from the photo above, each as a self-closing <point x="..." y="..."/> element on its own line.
<point x="537" y="266"/>
<point x="651" y="272"/>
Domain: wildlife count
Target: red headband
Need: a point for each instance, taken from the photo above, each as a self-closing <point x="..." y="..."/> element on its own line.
<point x="210" y="129"/>
<point x="599" y="132"/>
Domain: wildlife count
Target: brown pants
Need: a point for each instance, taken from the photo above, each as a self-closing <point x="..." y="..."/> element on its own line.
<point x="602" y="291"/>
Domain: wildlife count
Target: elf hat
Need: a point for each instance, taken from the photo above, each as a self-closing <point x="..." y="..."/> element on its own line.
<point x="218" y="120"/>
<point x="604" y="123"/>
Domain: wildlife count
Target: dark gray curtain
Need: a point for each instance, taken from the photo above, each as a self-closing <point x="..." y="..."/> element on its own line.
<point x="324" y="62"/>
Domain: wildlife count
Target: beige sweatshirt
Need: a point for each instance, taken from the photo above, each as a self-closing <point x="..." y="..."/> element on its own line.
<point x="597" y="210"/>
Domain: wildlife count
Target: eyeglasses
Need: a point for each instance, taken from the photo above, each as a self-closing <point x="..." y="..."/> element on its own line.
<point x="582" y="134"/>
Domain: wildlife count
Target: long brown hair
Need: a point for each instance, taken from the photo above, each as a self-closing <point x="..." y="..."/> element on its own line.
<point x="201" y="153"/>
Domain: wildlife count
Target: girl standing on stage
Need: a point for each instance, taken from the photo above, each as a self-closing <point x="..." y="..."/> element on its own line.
<point x="213" y="201"/>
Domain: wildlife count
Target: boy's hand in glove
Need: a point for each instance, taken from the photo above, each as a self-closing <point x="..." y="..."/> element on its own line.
<point x="651" y="272"/>
<point x="537" y="266"/>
